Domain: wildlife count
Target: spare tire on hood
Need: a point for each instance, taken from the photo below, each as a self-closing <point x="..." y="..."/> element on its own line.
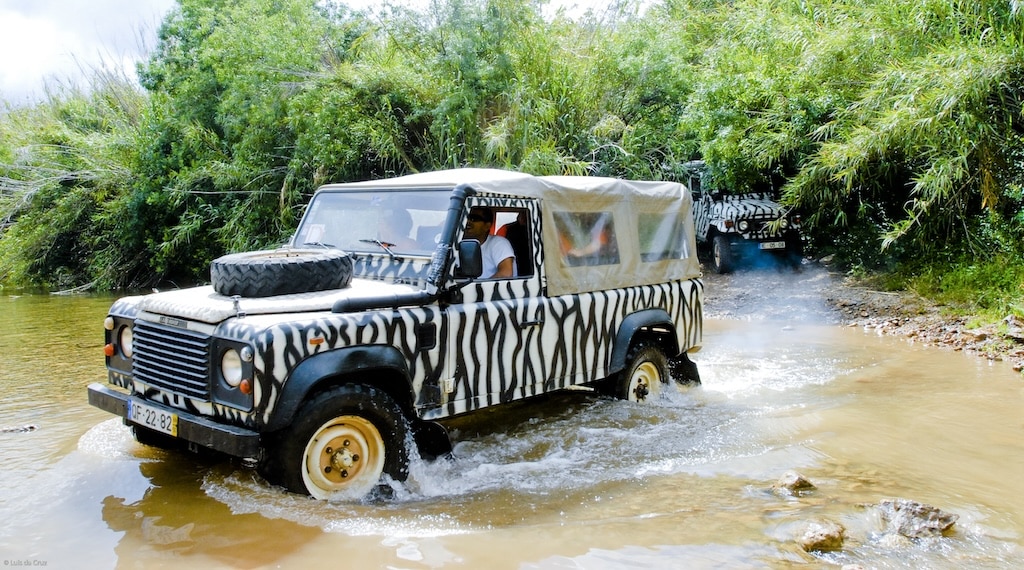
<point x="280" y="272"/>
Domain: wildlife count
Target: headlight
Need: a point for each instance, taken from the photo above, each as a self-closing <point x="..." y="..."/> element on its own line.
<point x="231" y="367"/>
<point x="124" y="341"/>
<point x="783" y="223"/>
<point x="743" y="225"/>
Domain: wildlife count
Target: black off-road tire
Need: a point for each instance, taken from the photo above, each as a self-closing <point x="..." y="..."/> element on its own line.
<point x="340" y="444"/>
<point x="280" y="272"/>
<point x="721" y="255"/>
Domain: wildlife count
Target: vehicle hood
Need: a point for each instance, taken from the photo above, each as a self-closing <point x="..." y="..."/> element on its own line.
<point x="205" y="305"/>
<point x="749" y="206"/>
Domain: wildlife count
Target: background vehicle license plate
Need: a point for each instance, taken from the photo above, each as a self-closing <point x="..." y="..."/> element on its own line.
<point x="772" y="245"/>
<point x="152" y="418"/>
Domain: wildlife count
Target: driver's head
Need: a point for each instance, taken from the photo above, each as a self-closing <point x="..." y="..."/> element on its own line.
<point x="479" y="222"/>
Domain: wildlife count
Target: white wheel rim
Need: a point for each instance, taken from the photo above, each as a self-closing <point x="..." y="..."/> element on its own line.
<point x="645" y="383"/>
<point x="346" y="455"/>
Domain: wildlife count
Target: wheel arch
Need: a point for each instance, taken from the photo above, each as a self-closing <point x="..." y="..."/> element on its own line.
<point x="344" y="366"/>
<point x="653" y="324"/>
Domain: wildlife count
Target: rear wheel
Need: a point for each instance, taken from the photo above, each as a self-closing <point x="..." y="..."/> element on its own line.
<point x="343" y="441"/>
<point x="646" y="374"/>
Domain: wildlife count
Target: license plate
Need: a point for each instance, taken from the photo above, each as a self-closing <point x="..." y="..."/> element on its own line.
<point x="152" y="418"/>
<point x="772" y="245"/>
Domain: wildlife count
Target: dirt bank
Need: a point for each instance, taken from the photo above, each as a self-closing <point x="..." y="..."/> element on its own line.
<point x="817" y="295"/>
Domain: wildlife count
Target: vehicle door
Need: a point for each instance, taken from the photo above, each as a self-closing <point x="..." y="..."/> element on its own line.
<point x="500" y="330"/>
<point x="703" y="203"/>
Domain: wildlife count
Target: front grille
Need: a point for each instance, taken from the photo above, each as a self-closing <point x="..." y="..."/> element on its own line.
<point x="763" y="230"/>
<point x="172" y="359"/>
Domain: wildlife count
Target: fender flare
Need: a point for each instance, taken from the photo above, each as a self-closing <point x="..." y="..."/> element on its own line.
<point x="629" y="328"/>
<point x="325" y="367"/>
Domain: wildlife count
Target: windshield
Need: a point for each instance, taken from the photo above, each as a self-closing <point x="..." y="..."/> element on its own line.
<point x="375" y="221"/>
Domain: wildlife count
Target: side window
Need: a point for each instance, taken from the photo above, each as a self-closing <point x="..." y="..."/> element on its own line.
<point x="587" y="238"/>
<point x="662" y="236"/>
<point x="514" y="225"/>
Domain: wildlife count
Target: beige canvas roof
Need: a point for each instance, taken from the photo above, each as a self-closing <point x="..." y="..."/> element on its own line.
<point x="649" y="216"/>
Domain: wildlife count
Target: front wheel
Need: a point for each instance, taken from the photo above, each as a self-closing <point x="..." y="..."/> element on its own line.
<point x="721" y="255"/>
<point x="343" y="441"/>
<point x="645" y="376"/>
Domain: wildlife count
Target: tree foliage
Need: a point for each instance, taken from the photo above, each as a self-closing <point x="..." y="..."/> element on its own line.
<point x="881" y="120"/>
<point x="894" y="126"/>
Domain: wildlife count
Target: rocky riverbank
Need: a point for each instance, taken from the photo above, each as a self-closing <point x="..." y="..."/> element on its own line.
<point x="816" y="294"/>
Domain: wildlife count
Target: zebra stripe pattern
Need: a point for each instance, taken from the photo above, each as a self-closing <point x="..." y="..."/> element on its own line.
<point x="504" y="341"/>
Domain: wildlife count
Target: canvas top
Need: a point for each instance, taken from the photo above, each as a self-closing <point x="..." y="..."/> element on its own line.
<point x="652" y="222"/>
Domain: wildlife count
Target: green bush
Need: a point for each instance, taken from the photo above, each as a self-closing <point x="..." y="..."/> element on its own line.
<point x="892" y="127"/>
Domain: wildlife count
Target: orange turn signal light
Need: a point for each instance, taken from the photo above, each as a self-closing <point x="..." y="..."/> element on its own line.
<point x="108" y="350"/>
<point x="245" y="386"/>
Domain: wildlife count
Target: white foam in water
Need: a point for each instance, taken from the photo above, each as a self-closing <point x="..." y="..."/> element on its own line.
<point x="579" y="450"/>
<point x="244" y="493"/>
<point x="110" y="438"/>
<point x="767" y="357"/>
<point x="709" y="430"/>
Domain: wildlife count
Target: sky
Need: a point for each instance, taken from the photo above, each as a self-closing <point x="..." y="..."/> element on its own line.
<point x="52" y="41"/>
<point x="60" y="42"/>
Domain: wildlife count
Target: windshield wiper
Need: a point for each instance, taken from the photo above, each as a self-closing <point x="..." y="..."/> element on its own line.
<point x="383" y="245"/>
<point x="319" y="244"/>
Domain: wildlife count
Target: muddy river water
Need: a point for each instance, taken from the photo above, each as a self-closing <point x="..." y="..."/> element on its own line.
<point x="567" y="482"/>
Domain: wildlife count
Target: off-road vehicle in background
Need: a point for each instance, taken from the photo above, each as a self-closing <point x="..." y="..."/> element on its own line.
<point x="322" y="362"/>
<point x="735" y="229"/>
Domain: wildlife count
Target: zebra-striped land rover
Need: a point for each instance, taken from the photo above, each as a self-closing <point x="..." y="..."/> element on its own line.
<point x="326" y="362"/>
<point x="742" y="228"/>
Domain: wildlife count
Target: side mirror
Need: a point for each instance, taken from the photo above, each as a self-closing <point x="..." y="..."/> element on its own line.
<point x="471" y="262"/>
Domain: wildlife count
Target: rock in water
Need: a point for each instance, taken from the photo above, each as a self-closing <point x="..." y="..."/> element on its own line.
<point x="823" y="536"/>
<point x="915" y="520"/>
<point x="794" y="483"/>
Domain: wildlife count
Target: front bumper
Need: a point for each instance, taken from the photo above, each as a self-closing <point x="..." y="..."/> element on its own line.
<point x="762" y="242"/>
<point x="232" y="440"/>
